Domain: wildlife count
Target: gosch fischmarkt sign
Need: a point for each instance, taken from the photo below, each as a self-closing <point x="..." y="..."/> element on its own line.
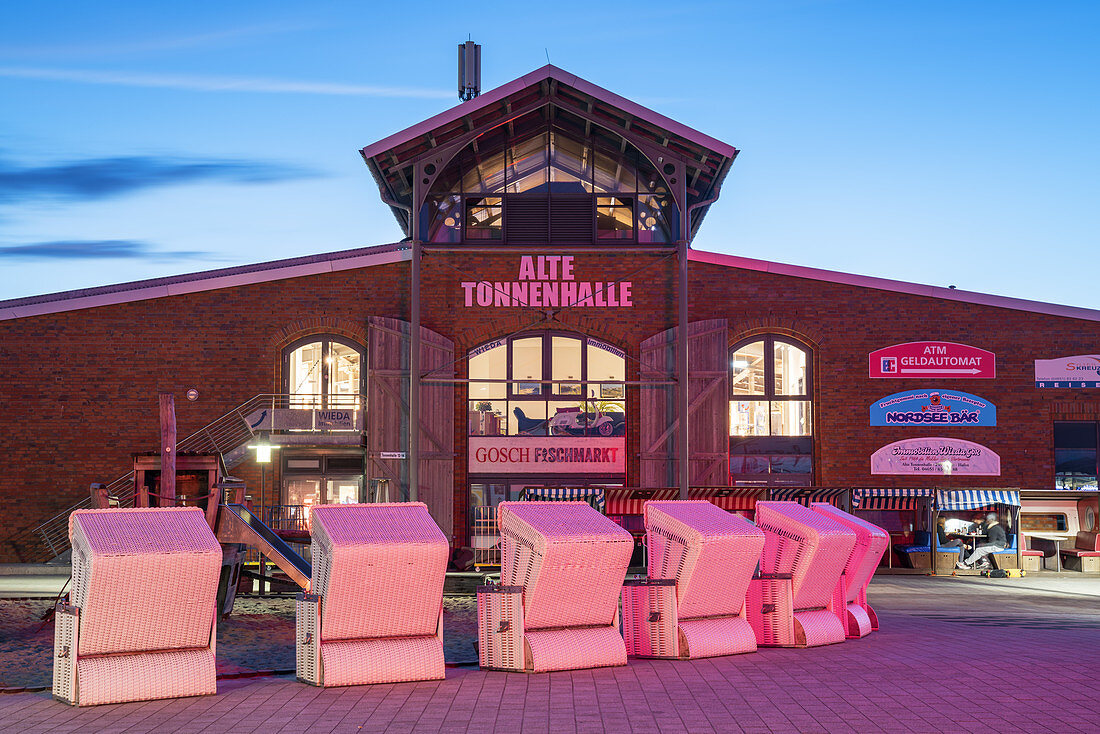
<point x="933" y="359"/>
<point x="933" y="407"/>
<point x="1080" y="371"/>
<point x="936" y="455"/>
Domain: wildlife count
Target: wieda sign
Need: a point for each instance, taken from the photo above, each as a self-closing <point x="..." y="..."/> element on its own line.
<point x="933" y="359"/>
<point x="547" y="454"/>
<point x="547" y="281"/>
<point x="1080" y="371"/>
<point x="936" y="455"/>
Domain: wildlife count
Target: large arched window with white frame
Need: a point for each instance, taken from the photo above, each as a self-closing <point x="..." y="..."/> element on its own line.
<point x="323" y="371"/>
<point x="547" y="384"/>
<point x="771" y="412"/>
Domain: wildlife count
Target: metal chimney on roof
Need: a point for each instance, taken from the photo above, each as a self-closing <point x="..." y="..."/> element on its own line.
<point x="469" y="70"/>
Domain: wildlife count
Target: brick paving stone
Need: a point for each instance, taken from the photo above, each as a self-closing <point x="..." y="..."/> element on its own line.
<point x="893" y="680"/>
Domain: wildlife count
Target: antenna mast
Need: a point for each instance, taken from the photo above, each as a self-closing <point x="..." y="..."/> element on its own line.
<point x="469" y="70"/>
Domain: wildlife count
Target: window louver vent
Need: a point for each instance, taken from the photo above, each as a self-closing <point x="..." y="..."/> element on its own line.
<point x="572" y="219"/>
<point x="527" y="219"/>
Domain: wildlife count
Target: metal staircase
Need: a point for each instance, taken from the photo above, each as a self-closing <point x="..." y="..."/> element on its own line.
<point x="227" y="436"/>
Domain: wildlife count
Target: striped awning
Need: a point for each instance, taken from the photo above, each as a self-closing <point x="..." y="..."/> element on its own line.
<point x="975" y="499"/>
<point x="889" y="498"/>
<point x="806" y="495"/>
<point x="592" y="495"/>
<point x="631" y="500"/>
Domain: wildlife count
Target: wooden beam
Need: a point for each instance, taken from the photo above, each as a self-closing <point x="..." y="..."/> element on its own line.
<point x="167" y="404"/>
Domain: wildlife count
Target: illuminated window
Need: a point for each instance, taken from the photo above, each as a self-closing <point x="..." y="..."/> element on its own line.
<point x="547" y="385"/>
<point x="771" y="428"/>
<point x="323" y="372"/>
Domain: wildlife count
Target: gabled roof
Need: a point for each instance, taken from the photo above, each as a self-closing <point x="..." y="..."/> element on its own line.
<point x="391" y="159"/>
<point x="207" y="280"/>
<point x="893" y="286"/>
<point x="363" y="257"/>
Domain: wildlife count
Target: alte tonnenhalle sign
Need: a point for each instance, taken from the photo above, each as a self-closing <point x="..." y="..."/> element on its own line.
<point x="547" y="281"/>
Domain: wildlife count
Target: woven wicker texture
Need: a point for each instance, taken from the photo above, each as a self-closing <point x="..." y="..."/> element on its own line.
<point x="806" y="544"/>
<point x="649" y="620"/>
<point x="711" y="553"/>
<point x="380" y="569"/>
<point x="705" y="638"/>
<point x="145" y="676"/>
<point x="570" y="560"/>
<point x="817" y="627"/>
<point x="871" y="542"/>
<point x="769" y="611"/>
<point x="500" y="628"/>
<point x="144" y="579"/>
<point x="390" y="660"/>
<point x="582" y="647"/>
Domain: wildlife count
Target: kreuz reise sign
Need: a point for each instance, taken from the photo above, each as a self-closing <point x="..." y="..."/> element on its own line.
<point x="933" y="360"/>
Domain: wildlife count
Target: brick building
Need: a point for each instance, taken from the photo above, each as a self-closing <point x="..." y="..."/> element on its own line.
<point x="538" y="295"/>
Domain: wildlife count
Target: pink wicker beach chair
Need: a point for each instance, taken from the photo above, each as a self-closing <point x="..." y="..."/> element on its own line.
<point x="805" y="553"/>
<point x="562" y="569"/>
<point x="871" y="542"/>
<point x="140" y="621"/>
<point x="375" y="611"/>
<point x="701" y="559"/>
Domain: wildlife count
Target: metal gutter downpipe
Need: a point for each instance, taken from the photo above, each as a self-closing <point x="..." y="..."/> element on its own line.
<point x="684" y="388"/>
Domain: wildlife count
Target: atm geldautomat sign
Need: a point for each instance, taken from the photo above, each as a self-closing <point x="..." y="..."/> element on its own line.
<point x="1080" y="371"/>
<point x="933" y="407"/>
<point x="933" y="359"/>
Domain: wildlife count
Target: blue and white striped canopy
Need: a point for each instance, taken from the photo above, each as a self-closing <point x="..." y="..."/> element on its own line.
<point x="592" y="495"/>
<point x="889" y="498"/>
<point x="806" y="495"/>
<point x="973" y="499"/>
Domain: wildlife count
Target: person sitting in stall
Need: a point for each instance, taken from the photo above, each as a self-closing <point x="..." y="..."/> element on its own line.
<point x="995" y="540"/>
<point x="949" y="540"/>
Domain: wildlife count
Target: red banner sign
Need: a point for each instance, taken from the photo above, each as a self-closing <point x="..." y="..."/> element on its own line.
<point x="933" y="360"/>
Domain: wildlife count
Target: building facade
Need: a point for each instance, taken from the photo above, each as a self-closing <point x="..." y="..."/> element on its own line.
<point x="528" y="333"/>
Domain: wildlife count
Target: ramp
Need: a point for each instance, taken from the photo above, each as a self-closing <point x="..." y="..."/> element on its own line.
<point x="236" y="524"/>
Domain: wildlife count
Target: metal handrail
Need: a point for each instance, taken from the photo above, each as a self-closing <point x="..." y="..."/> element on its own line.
<point x="220" y="436"/>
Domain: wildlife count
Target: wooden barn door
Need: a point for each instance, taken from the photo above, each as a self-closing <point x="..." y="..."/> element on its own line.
<point x="708" y="407"/>
<point x="388" y="385"/>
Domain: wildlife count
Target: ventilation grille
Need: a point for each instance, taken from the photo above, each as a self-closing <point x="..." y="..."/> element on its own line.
<point x="541" y="219"/>
<point x="527" y="219"/>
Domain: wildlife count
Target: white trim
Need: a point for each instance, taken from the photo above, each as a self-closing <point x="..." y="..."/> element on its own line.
<point x="894" y="286"/>
<point x="214" y="281"/>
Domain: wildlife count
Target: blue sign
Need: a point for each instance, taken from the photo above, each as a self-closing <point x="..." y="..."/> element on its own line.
<point x="933" y="408"/>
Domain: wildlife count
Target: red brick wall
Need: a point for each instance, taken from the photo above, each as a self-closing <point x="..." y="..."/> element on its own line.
<point x="78" y="389"/>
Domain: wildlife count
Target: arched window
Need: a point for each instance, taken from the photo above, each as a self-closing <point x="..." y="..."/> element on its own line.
<point x="547" y="384"/>
<point x="323" y="372"/>
<point x="771" y="416"/>
<point x="537" y="180"/>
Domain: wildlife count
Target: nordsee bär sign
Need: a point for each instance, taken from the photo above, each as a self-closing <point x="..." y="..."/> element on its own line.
<point x="1080" y="371"/>
<point x="936" y="407"/>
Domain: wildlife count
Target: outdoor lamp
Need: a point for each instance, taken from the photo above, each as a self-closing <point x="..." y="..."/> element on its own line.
<point x="946" y="466"/>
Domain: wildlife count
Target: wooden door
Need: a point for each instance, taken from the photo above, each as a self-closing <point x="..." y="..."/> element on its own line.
<point x="708" y="407"/>
<point x="388" y="384"/>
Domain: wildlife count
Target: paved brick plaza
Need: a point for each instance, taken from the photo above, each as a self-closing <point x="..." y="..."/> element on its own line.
<point x="1035" y="640"/>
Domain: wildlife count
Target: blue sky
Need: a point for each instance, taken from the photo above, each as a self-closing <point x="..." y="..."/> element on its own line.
<point x="938" y="142"/>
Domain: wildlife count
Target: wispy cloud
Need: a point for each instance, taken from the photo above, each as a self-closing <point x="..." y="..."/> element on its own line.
<point x="100" y="178"/>
<point x="202" y="83"/>
<point x="95" y="250"/>
<point x="123" y="47"/>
